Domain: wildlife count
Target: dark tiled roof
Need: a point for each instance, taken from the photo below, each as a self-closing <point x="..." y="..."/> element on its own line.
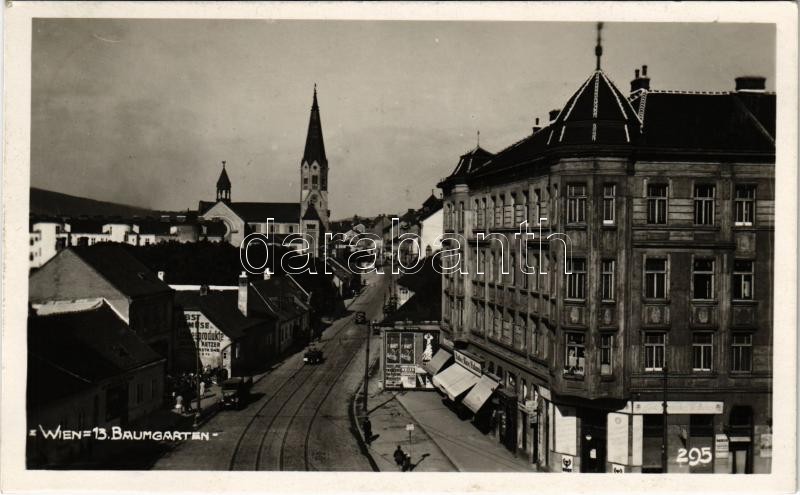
<point x="471" y="161"/>
<point x="156" y="227"/>
<point x="425" y="281"/>
<point x="311" y="214"/>
<point x="87" y="225"/>
<point x="121" y="269"/>
<point x="260" y="212"/>
<point x="221" y="307"/>
<point x="430" y="206"/>
<point x="275" y="297"/>
<point x="722" y="122"/>
<point x="418" y="308"/>
<point x="315" y="146"/>
<point x="47" y="382"/>
<point x="598" y="113"/>
<point x="92" y="345"/>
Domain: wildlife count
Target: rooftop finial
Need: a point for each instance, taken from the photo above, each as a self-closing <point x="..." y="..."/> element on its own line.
<point x="223" y="164"/>
<point x="598" y="50"/>
<point x="479" y="138"/>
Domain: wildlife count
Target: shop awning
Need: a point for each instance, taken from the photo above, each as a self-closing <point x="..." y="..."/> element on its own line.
<point x="455" y="380"/>
<point x="480" y="393"/>
<point x="437" y="363"/>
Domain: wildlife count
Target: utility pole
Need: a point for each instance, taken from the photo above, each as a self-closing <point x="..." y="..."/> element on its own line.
<point x="366" y="368"/>
<point x="664" y="417"/>
<point x="197" y="374"/>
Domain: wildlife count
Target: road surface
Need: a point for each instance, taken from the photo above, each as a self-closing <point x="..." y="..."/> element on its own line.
<point x="298" y="416"/>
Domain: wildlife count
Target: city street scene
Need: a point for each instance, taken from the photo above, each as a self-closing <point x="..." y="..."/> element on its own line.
<point x="401" y="246"/>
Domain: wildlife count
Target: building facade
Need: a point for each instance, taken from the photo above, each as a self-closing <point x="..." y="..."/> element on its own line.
<point x="648" y="279"/>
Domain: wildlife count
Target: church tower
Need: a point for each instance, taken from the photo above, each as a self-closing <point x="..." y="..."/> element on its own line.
<point x="224" y="186"/>
<point x="314" y="175"/>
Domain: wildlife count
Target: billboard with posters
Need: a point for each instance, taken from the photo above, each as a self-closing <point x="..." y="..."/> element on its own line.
<point x="405" y="351"/>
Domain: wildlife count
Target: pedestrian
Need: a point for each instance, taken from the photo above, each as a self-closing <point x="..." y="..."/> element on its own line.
<point x="407" y="462"/>
<point x="399" y="455"/>
<point x="367" y="427"/>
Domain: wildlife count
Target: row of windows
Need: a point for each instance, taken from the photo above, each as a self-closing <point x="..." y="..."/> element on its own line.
<point x="493" y="212"/>
<point x="655" y="279"/>
<point x="741" y="351"/>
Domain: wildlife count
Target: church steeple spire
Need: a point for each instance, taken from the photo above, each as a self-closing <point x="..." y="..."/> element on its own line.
<point x="223" y="186"/>
<point x="315" y="146"/>
<point x="598" y="49"/>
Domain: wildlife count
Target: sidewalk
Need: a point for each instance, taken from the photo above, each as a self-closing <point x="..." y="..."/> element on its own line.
<point x="440" y="440"/>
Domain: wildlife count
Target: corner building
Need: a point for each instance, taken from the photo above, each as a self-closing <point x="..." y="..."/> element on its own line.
<point x="665" y="203"/>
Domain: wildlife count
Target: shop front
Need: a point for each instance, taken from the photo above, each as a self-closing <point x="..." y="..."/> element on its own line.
<point x="458" y="379"/>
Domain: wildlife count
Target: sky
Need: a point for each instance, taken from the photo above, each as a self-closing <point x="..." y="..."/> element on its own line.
<point x="143" y="111"/>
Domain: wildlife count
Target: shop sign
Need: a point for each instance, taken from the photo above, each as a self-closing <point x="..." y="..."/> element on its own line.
<point x="410" y="427"/>
<point x="566" y="463"/>
<point x="469" y="363"/>
<point x="545" y="393"/>
<point x="617" y="468"/>
<point x="721" y="445"/>
<point x="530" y="407"/>
<point x="675" y="407"/>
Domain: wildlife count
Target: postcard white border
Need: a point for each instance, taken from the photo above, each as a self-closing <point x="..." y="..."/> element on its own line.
<point x="16" y="182"/>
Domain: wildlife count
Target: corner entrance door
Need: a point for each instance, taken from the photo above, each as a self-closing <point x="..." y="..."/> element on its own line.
<point x="593" y="441"/>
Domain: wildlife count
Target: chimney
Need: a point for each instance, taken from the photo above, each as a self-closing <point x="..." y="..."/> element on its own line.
<point x="243" y="286"/>
<point x="204" y="290"/>
<point x="753" y="84"/>
<point x="161" y="275"/>
<point x="536" y="126"/>
<point x="640" y="83"/>
<point x="267" y="274"/>
<point x="554" y="113"/>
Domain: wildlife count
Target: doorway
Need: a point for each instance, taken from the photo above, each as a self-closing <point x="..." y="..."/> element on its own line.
<point x="593" y="441"/>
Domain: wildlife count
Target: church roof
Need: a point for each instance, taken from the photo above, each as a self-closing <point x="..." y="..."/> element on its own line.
<point x="223" y="182"/>
<point x="311" y="214"/>
<point x="315" y="146"/>
<point x="260" y="212"/>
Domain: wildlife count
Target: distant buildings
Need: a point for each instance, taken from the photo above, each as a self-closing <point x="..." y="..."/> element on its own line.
<point x="214" y="221"/>
<point x="665" y="200"/>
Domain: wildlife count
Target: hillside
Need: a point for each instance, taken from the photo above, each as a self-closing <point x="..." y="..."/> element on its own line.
<point x="51" y="203"/>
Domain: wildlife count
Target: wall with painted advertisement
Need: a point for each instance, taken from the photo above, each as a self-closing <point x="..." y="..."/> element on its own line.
<point x="404" y="353"/>
<point x="198" y="334"/>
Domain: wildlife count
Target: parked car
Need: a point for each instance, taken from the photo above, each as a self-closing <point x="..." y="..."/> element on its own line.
<point x="376" y="330"/>
<point x="313" y="356"/>
<point x="236" y="391"/>
<point x="361" y="317"/>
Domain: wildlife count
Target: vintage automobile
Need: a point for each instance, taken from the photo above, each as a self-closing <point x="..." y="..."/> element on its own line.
<point x="313" y="356"/>
<point x="236" y="391"/>
<point x="376" y="330"/>
<point x="361" y="317"/>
